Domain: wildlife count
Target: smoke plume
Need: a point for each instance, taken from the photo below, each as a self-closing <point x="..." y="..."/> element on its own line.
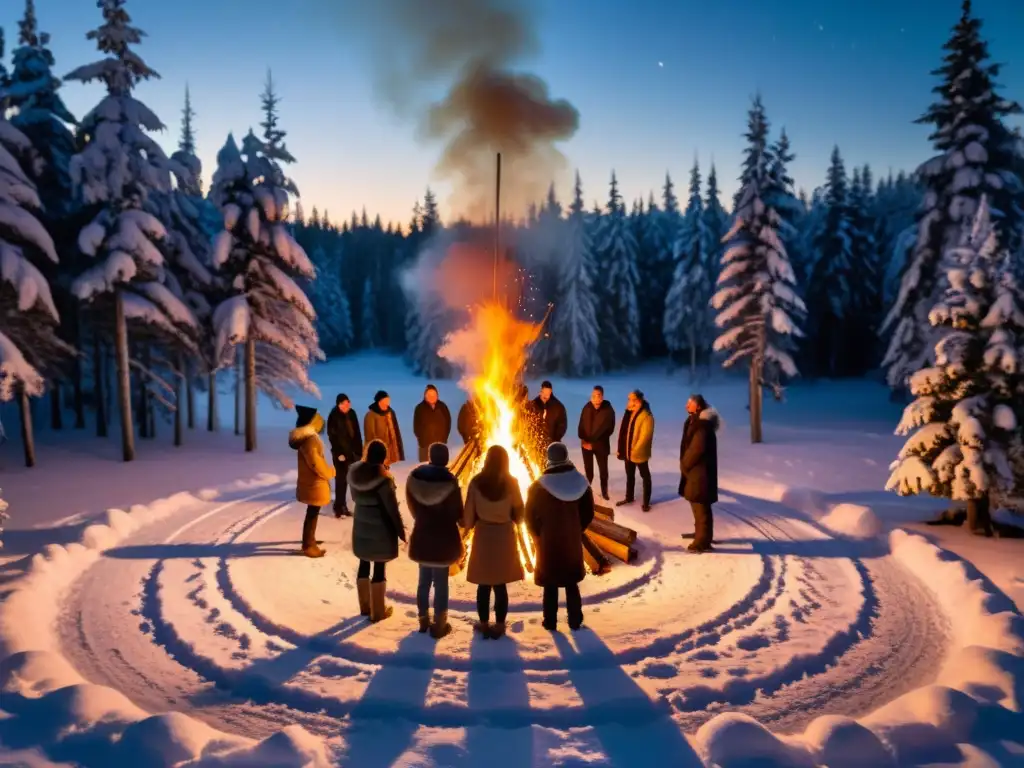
<point x="467" y="50"/>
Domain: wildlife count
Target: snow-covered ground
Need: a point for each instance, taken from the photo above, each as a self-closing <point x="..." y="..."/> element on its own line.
<point x="815" y="635"/>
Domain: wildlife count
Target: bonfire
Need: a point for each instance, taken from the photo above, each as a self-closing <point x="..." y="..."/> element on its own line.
<point x="493" y="350"/>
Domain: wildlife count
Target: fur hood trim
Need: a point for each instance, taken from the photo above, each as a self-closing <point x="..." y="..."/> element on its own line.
<point x="433" y="487"/>
<point x="300" y="434"/>
<point x="711" y="415"/>
<point x="366" y="477"/>
<point x="564" y="486"/>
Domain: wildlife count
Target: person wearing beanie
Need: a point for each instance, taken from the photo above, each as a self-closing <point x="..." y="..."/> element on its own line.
<point x="381" y="423"/>
<point x="376" y="528"/>
<point x="636" y="436"/>
<point x="559" y="508"/>
<point x="346" y="447"/>
<point x="435" y="503"/>
<point x="431" y="421"/>
<point x="312" y="487"/>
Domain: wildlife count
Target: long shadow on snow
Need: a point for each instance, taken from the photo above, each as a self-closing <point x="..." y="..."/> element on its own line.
<point x="381" y="725"/>
<point x="508" y="697"/>
<point x="193" y="551"/>
<point x="616" y="704"/>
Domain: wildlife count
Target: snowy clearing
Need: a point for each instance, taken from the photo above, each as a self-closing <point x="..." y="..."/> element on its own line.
<point x="811" y="637"/>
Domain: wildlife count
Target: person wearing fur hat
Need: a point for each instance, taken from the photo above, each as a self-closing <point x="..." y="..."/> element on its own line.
<point x="435" y="503"/>
<point x="381" y="423"/>
<point x="636" y="437"/>
<point x="313" y="487"/>
<point x="376" y="528"/>
<point x="698" y="469"/>
<point x="559" y="507"/>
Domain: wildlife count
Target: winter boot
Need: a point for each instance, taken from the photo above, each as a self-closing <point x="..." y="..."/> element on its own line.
<point x="424" y="623"/>
<point x="497" y="630"/>
<point x="624" y="503"/>
<point x="484" y="628"/>
<point x="363" y="591"/>
<point x="378" y="609"/>
<point x="645" y="508"/>
<point x="309" y="545"/>
<point x="440" y="628"/>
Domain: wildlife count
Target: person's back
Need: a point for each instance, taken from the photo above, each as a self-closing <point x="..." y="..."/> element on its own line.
<point x="559" y="508"/>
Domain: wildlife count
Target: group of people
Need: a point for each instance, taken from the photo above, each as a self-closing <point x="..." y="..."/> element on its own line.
<point x="558" y="509"/>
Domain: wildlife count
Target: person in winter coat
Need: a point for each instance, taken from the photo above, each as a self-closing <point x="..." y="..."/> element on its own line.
<point x="435" y="502"/>
<point x="494" y="510"/>
<point x="431" y="421"/>
<point x="698" y="469"/>
<point x="551" y="415"/>
<point x="559" y="507"/>
<point x="636" y="436"/>
<point x="469" y="420"/>
<point x="313" y="486"/>
<point x="376" y="528"/>
<point x="597" y="424"/>
<point x="381" y="423"/>
<point x="346" y="448"/>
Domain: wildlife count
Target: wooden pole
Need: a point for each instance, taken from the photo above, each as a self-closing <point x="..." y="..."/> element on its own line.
<point x="250" y="393"/>
<point x="497" y="225"/>
<point x="27" y="435"/>
<point x="124" y="386"/>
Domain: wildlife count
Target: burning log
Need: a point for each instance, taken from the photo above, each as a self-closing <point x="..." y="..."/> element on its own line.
<point x="622" y="552"/>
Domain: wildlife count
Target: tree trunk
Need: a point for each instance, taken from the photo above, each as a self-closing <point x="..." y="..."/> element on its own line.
<point x="190" y="395"/>
<point x="56" y="411"/>
<point x="179" y="384"/>
<point x="140" y="403"/>
<point x="211" y="405"/>
<point x="239" y="384"/>
<point x="979" y="516"/>
<point x="78" y="402"/>
<point x="250" y="394"/>
<point x="147" y="361"/>
<point x="27" y="437"/>
<point x="124" y="381"/>
<point x="756" y="400"/>
<point x="98" y="389"/>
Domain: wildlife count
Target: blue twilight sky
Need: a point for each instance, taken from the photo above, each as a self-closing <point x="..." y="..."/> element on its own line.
<point x="848" y="72"/>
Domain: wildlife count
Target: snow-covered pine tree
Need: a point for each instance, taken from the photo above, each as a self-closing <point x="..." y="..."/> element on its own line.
<point x="756" y="298"/>
<point x="333" y="316"/>
<point x="260" y="259"/>
<point x="866" y="283"/>
<point x="368" y="329"/>
<point x="619" y="319"/>
<point x="894" y="209"/>
<point x="687" y="321"/>
<point x="117" y="175"/>
<point x="30" y="349"/>
<point x="429" y="319"/>
<point x="831" y="284"/>
<point x="976" y="159"/>
<point x="716" y="224"/>
<point x="574" y="324"/>
<point x="967" y="413"/>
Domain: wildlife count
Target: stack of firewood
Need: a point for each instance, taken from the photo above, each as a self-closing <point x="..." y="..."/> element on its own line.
<point x="604" y="538"/>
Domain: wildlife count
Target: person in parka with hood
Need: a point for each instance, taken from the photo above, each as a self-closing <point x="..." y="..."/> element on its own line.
<point x="636" y="436"/>
<point x="346" y="448"/>
<point x="313" y="487"/>
<point x="376" y="528"/>
<point x="381" y="423"/>
<point x="431" y="421"/>
<point x="435" y="502"/>
<point x="468" y="423"/>
<point x="597" y="425"/>
<point x="559" y="507"/>
<point x="698" y="469"/>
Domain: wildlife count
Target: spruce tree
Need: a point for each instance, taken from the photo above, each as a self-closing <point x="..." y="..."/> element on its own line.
<point x="756" y="298"/>
<point x="866" y="288"/>
<point x="716" y="224"/>
<point x="969" y="407"/>
<point x="620" y="317"/>
<point x="575" y="327"/>
<point x="333" y="316"/>
<point x="368" y="330"/>
<point x="257" y="255"/>
<point x="120" y="175"/>
<point x="687" y="321"/>
<point x="976" y="158"/>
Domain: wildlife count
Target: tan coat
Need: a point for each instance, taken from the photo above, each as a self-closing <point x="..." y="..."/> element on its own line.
<point x="313" y="486"/>
<point x="641" y="422"/>
<point x="494" y="552"/>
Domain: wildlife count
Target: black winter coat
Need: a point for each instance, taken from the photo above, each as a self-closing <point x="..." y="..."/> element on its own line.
<point x="435" y="502"/>
<point x="469" y="421"/>
<point x="698" y="458"/>
<point x="597" y="425"/>
<point x="551" y="419"/>
<point x="559" y="507"/>
<point x="431" y="425"/>
<point x="344" y="435"/>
